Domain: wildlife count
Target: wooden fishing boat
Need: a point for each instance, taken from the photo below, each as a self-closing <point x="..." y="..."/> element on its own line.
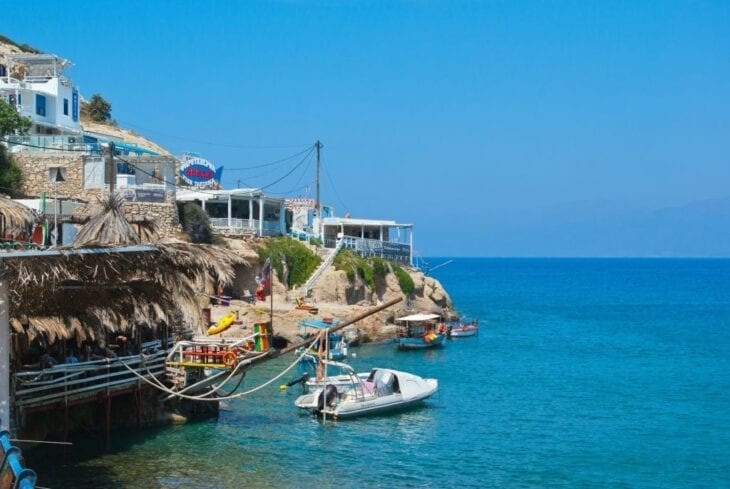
<point x="420" y="331"/>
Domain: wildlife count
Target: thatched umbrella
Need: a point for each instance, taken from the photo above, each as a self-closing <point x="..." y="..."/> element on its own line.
<point x="108" y="228"/>
<point x="18" y="218"/>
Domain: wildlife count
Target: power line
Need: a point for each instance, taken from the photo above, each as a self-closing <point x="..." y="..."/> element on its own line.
<point x="222" y="145"/>
<point x="291" y="191"/>
<point x="244" y="168"/>
<point x="290" y="171"/>
<point x="306" y="156"/>
<point x="334" y="188"/>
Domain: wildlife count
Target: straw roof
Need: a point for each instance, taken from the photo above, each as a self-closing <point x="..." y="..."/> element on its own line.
<point x="111" y="288"/>
<point x="107" y="228"/>
<point x="18" y="218"/>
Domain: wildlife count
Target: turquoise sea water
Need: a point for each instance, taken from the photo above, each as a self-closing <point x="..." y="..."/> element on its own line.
<point x="586" y="373"/>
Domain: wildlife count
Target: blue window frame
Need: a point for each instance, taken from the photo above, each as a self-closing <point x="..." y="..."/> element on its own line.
<point x="40" y="105"/>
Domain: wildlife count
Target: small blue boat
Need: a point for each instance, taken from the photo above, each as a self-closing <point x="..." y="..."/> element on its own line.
<point x="338" y="348"/>
<point x="420" y="331"/>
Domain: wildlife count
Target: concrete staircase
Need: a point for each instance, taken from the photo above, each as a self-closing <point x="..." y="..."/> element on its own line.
<point x="328" y="256"/>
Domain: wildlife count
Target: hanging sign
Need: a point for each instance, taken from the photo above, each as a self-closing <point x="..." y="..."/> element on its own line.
<point x="198" y="172"/>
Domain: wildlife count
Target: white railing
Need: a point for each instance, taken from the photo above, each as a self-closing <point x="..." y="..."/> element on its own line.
<point x="244" y="226"/>
<point x="384" y="249"/>
<point x="322" y="267"/>
<point x="35" y="144"/>
<point x="85" y="379"/>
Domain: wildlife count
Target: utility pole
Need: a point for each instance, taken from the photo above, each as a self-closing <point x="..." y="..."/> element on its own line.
<point x="111" y="168"/>
<point x="318" y="202"/>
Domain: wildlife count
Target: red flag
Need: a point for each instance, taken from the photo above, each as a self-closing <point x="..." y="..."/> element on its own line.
<point x="263" y="279"/>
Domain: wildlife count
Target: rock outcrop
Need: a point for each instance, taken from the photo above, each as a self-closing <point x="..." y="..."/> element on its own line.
<point x="334" y="294"/>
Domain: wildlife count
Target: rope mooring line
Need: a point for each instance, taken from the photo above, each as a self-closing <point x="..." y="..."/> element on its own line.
<point x="158" y="385"/>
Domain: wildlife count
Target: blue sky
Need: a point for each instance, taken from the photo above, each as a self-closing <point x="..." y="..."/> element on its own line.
<point x="476" y="121"/>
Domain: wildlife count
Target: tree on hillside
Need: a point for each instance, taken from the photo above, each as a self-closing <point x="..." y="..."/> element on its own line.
<point x="10" y="174"/>
<point x="11" y="122"/>
<point x="195" y="223"/>
<point x="98" y="109"/>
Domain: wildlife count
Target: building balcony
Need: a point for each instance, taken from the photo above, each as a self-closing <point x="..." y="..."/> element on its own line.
<point x="387" y="250"/>
<point x="243" y="227"/>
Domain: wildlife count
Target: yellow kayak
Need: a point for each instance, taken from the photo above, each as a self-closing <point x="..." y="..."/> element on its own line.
<point x="223" y="324"/>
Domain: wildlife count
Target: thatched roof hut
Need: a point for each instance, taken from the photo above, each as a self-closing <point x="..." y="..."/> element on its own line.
<point x="17" y="219"/>
<point x="85" y="292"/>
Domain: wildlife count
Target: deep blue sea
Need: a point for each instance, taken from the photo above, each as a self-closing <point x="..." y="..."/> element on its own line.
<point x="586" y="373"/>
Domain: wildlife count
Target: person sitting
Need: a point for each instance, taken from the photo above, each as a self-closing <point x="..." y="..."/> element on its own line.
<point x="123" y="345"/>
<point x="102" y="353"/>
<point x="47" y="361"/>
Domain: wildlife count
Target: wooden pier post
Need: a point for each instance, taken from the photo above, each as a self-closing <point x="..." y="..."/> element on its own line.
<point x="4" y="349"/>
<point x="108" y="419"/>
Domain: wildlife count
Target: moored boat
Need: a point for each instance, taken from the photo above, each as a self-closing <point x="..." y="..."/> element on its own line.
<point x="463" y="328"/>
<point x="383" y="390"/>
<point x="336" y="346"/>
<point x="419" y="331"/>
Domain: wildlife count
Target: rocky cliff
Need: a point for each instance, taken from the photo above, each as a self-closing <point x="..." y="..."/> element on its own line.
<point x="334" y="294"/>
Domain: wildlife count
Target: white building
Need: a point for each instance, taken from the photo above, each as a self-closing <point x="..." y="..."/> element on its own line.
<point x="34" y="84"/>
<point x="240" y="211"/>
<point x="370" y="237"/>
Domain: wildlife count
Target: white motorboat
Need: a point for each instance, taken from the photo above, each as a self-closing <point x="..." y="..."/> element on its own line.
<point x="383" y="390"/>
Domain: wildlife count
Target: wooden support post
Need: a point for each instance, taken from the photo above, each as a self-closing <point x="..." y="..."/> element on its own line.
<point x="65" y="430"/>
<point x="138" y="405"/>
<point x="108" y="422"/>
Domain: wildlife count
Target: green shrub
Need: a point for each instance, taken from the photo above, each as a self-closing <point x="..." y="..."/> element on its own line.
<point x="352" y="264"/>
<point x="195" y="223"/>
<point x="404" y="280"/>
<point x="380" y="268"/>
<point x="300" y="261"/>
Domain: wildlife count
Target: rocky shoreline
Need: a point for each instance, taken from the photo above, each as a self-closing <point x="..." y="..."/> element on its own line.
<point x="335" y="295"/>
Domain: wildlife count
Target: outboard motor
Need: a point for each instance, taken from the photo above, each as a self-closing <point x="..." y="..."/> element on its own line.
<point x="300" y="380"/>
<point x="327" y="397"/>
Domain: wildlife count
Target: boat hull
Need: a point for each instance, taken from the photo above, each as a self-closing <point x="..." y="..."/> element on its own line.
<point x="383" y="390"/>
<point x="464" y="331"/>
<point x="380" y="405"/>
<point x="419" y="343"/>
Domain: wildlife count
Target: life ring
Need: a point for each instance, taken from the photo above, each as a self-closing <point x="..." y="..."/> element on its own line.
<point x="229" y="359"/>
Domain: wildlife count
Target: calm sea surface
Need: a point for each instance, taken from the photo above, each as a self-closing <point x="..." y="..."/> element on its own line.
<point x="586" y="373"/>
